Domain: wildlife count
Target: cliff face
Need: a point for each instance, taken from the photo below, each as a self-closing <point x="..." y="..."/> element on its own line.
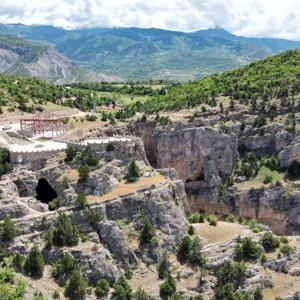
<point x="204" y="156"/>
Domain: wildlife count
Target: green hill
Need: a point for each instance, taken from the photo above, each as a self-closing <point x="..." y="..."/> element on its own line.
<point x="276" y="77"/>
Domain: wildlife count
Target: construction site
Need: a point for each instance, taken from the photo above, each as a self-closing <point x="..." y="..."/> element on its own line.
<point x="37" y="136"/>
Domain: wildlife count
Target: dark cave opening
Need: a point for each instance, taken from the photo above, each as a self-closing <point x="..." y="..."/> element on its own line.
<point x="45" y="192"/>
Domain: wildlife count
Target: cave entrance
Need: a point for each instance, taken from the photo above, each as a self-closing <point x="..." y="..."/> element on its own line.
<point x="45" y="192"/>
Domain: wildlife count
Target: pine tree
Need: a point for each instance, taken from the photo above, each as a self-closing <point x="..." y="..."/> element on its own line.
<point x="34" y="264"/>
<point x="70" y="154"/>
<point x="163" y="265"/>
<point x="76" y="286"/>
<point x="168" y="288"/>
<point x="65" y="233"/>
<point x="196" y="257"/>
<point x="84" y="173"/>
<point x="133" y="172"/>
<point x="184" y="248"/>
<point x="81" y="200"/>
<point x="122" y="289"/>
<point x="102" y="288"/>
<point x="147" y="233"/>
<point x="8" y="230"/>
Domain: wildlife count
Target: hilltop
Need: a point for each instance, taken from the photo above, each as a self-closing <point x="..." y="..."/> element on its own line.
<point x="137" y="53"/>
<point x="276" y="77"/>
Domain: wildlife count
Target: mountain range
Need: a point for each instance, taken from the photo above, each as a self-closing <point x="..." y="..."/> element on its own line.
<point x="136" y="53"/>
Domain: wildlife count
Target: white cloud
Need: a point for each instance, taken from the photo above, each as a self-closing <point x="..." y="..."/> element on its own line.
<point x="272" y="18"/>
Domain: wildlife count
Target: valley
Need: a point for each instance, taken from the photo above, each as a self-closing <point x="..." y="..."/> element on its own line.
<point x="157" y="189"/>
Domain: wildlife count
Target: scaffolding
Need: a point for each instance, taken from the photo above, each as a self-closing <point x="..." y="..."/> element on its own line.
<point x="42" y="125"/>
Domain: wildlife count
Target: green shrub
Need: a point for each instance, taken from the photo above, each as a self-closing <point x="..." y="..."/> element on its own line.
<point x="110" y="147"/>
<point x="286" y="249"/>
<point x="284" y="240"/>
<point x="34" y="263"/>
<point x="93" y="216"/>
<point x="267" y="179"/>
<point x="5" y="165"/>
<point x="196" y="257"/>
<point x="141" y="295"/>
<point x="212" y="220"/>
<point x="168" y="288"/>
<point x="56" y="203"/>
<point x="247" y="250"/>
<point x="65" y="233"/>
<point x="76" y="286"/>
<point x="122" y="289"/>
<point x="70" y="154"/>
<point x="164" y="265"/>
<point x="84" y="173"/>
<point x="62" y="269"/>
<point x="18" y="262"/>
<point x="133" y="172"/>
<point x="91" y="118"/>
<point x="196" y="218"/>
<point x="102" y="288"/>
<point x="191" y="230"/>
<point x="8" y="230"/>
<point x="147" y="233"/>
<point x="81" y="200"/>
<point x="231" y="218"/>
<point x="184" y="246"/>
<point x="269" y="241"/>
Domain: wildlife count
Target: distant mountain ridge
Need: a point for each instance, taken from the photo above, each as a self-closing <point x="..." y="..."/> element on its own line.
<point x="25" y="58"/>
<point x="136" y="53"/>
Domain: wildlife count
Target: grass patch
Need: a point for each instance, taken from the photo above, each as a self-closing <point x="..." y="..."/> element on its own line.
<point x="260" y="178"/>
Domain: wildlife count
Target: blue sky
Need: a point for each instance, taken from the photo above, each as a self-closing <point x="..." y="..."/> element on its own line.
<point x="261" y="18"/>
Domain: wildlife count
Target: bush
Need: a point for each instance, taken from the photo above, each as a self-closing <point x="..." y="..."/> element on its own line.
<point x="84" y="173"/>
<point x="267" y="179"/>
<point x="270" y="242"/>
<point x="34" y="264"/>
<point x="8" y="230"/>
<point x="183" y="251"/>
<point x="168" y="288"/>
<point x="191" y="230"/>
<point x="286" y="249"/>
<point x="76" y="286"/>
<point x="5" y="165"/>
<point x="110" y="147"/>
<point x="196" y="257"/>
<point x="63" y="268"/>
<point x="122" y="289"/>
<point x="65" y="233"/>
<point x="247" y="250"/>
<point x="148" y="232"/>
<point x="70" y="154"/>
<point x="93" y="217"/>
<point x="91" y="118"/>
<point x="141" y="295"/>
<point x="164" y="265"/>
<point x="89" y="157"/>
<point x="231" y="218"/>
<point x="133" y="172"/>
<point x="56" y="203"/>
<point x="81" y="201"/>
<point x="195" y="218"/>
<point x="231" y="272"/>
<point x="48" y="237"/>
<point x="212" y="220"/>
<point x="102" y="288"/>
<point x="18" y="262"/>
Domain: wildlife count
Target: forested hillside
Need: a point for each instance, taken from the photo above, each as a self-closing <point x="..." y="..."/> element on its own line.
<point x="138" y="53"/>
<point x="276" y="77"/>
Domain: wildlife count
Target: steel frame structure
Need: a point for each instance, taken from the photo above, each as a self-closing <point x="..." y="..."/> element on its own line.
<point x="41" y="123"/>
